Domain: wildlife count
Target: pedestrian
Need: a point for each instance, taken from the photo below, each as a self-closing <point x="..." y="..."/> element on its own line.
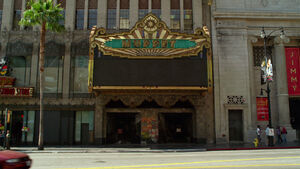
<point x="258" y="134"/>
<point x="283" y="134"/>
<point x="278" y="133"/>
<point x="269" y="135"/>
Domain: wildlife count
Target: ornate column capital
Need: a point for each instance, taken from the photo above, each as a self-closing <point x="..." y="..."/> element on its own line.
<point x="253" y="39"/>
<point x="279" y="41"/>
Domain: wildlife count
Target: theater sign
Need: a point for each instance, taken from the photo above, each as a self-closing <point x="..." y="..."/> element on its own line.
<point x="150" y="56"/>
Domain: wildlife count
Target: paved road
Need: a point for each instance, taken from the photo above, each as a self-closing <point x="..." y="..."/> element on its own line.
<point x="260" y="159"/>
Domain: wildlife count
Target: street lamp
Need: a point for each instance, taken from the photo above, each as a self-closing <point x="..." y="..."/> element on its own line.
<point x="266" y="67"/>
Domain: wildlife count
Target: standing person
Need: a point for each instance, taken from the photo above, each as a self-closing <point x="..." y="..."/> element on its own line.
<point x="268" y="135"/>
<point x="258" y="134"/>
<point x="278" y="133"/>
<point x="283" y="134"/>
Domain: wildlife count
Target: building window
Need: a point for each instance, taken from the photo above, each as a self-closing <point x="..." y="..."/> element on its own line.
<point x="53" y="74"/>
<point x="157" y="12"/>
<point x="80" y="73"/>
<point x="62" y="21"/>
<point x="17" y="18"/>
<point x="80" y="60"/>
<point x="111" y="18"/>
<point x="124" y="14"/>
<point x="92" y="18"/>
<point x="54" y="54"/>
<point x="79" y="19"/>
<point x="124" y="18"/>
<point x="188" y="14"/>
<point x="20" y="66"/>
<point x="19" y="59"/>
<point x="84" y="127"/>
<point x="142" y="13"/>
<point x="62" y="3"/>
<point x="175" y="14"/>
<point x="111" y="14"/>
<point x="156" y="8"/>
<point x="188" y="19"/>
<point x="175" y="19"/>
<point x="143" y="8"/>
<point x="258" y="54"/>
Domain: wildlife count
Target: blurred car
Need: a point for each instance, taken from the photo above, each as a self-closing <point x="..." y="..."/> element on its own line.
<point x="14" y="160"/>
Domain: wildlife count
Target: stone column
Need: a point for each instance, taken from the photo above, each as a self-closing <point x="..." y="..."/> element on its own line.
<point x="282" y="87"/>
<point x="67" y="66"/>
<point x="197" y="14"/>
<point x="166" y="11"/>
<point x="118" y="15"/>
<point x="35" y="59"/>
<point x="7" y="15"/>
<point x="102" y="13"/>
<point x="70" y="14"/>
<point x="24" y="2"/>
<point x="181" y="16"/>
<point x="98" y="119"/>
<point x="86" y="14"/>
<point x="133" y="12"/>
<point x="149" y="6"/>
<point x="200" y="130"/>
<point x="4" y="41"/>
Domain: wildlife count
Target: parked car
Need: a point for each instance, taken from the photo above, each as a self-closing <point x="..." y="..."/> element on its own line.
<point x="14" y="160"/>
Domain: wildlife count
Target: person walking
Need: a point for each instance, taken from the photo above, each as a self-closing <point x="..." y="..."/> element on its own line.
<point x="283" y="134"/>
<point x="258" y="134"/>
<point x="269" y="135"/>
<point x="278" y="133"/>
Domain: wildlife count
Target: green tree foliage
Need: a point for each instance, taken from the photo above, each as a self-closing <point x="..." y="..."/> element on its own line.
<point x="43" y="11"/>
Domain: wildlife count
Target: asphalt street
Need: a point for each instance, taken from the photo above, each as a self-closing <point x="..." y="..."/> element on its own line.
<point x="265" y="159"/>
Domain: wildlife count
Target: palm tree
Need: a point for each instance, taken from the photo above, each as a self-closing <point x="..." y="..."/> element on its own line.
<point x="46" y="15"/>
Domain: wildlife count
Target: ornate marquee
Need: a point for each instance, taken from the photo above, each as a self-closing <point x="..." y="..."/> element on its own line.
<point x="149" y="38"/>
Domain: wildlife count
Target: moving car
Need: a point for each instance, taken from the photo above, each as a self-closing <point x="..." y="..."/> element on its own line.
<point x="14" y="160"/>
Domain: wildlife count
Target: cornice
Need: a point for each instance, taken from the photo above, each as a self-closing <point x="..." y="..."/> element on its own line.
<point x="256" y="15"/>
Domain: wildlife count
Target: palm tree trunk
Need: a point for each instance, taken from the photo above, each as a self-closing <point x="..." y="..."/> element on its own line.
<point x="42" y="79"/>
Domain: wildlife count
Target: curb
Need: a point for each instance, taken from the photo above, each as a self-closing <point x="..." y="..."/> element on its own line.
<point x="111" y="151"/>
<point x="252" y="148"/>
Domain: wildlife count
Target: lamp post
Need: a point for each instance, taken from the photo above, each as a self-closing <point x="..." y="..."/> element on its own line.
<point x="266" y="66"/>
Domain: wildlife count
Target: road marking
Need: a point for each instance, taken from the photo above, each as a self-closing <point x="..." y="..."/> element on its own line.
<point x="158" y="166"/>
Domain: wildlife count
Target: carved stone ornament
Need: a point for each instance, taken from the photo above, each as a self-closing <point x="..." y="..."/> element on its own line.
<point x="235" y="100"/>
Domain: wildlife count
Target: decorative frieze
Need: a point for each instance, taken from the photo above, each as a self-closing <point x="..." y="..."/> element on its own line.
<point x="235" y="100"/>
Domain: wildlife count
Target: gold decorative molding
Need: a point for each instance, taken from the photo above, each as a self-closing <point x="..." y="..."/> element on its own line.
<point x="165" y="100"/>
<point x="153" y="31"/>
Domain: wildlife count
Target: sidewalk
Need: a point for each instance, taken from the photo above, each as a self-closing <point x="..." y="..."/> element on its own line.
<point x="158" y="148"/>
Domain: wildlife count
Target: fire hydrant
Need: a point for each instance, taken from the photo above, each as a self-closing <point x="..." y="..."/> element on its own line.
<point x="255" y="142"/>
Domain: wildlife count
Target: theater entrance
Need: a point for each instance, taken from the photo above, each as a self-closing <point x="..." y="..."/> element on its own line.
<point x="123" y="128"/>
<point x="175" y="127"/>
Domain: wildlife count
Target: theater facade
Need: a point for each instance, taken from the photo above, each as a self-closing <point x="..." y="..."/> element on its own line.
<point x="151" y="85"/>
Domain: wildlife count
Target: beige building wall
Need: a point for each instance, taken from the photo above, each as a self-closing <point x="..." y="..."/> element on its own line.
<point x="236" y="26"/>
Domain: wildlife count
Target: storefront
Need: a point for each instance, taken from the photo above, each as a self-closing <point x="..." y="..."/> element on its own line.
<point x="152" y="85"/>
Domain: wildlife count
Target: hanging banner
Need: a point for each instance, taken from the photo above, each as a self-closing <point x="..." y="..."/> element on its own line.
<point x="292" y="69"/>
<point x="262" y="109"/>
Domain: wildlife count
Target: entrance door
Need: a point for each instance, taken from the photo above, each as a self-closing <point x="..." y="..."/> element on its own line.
<point x="175" y="128"/>
<point x="85" y="136"/>
<point x="235" y="125"/>
<point x="122" y="128"/>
